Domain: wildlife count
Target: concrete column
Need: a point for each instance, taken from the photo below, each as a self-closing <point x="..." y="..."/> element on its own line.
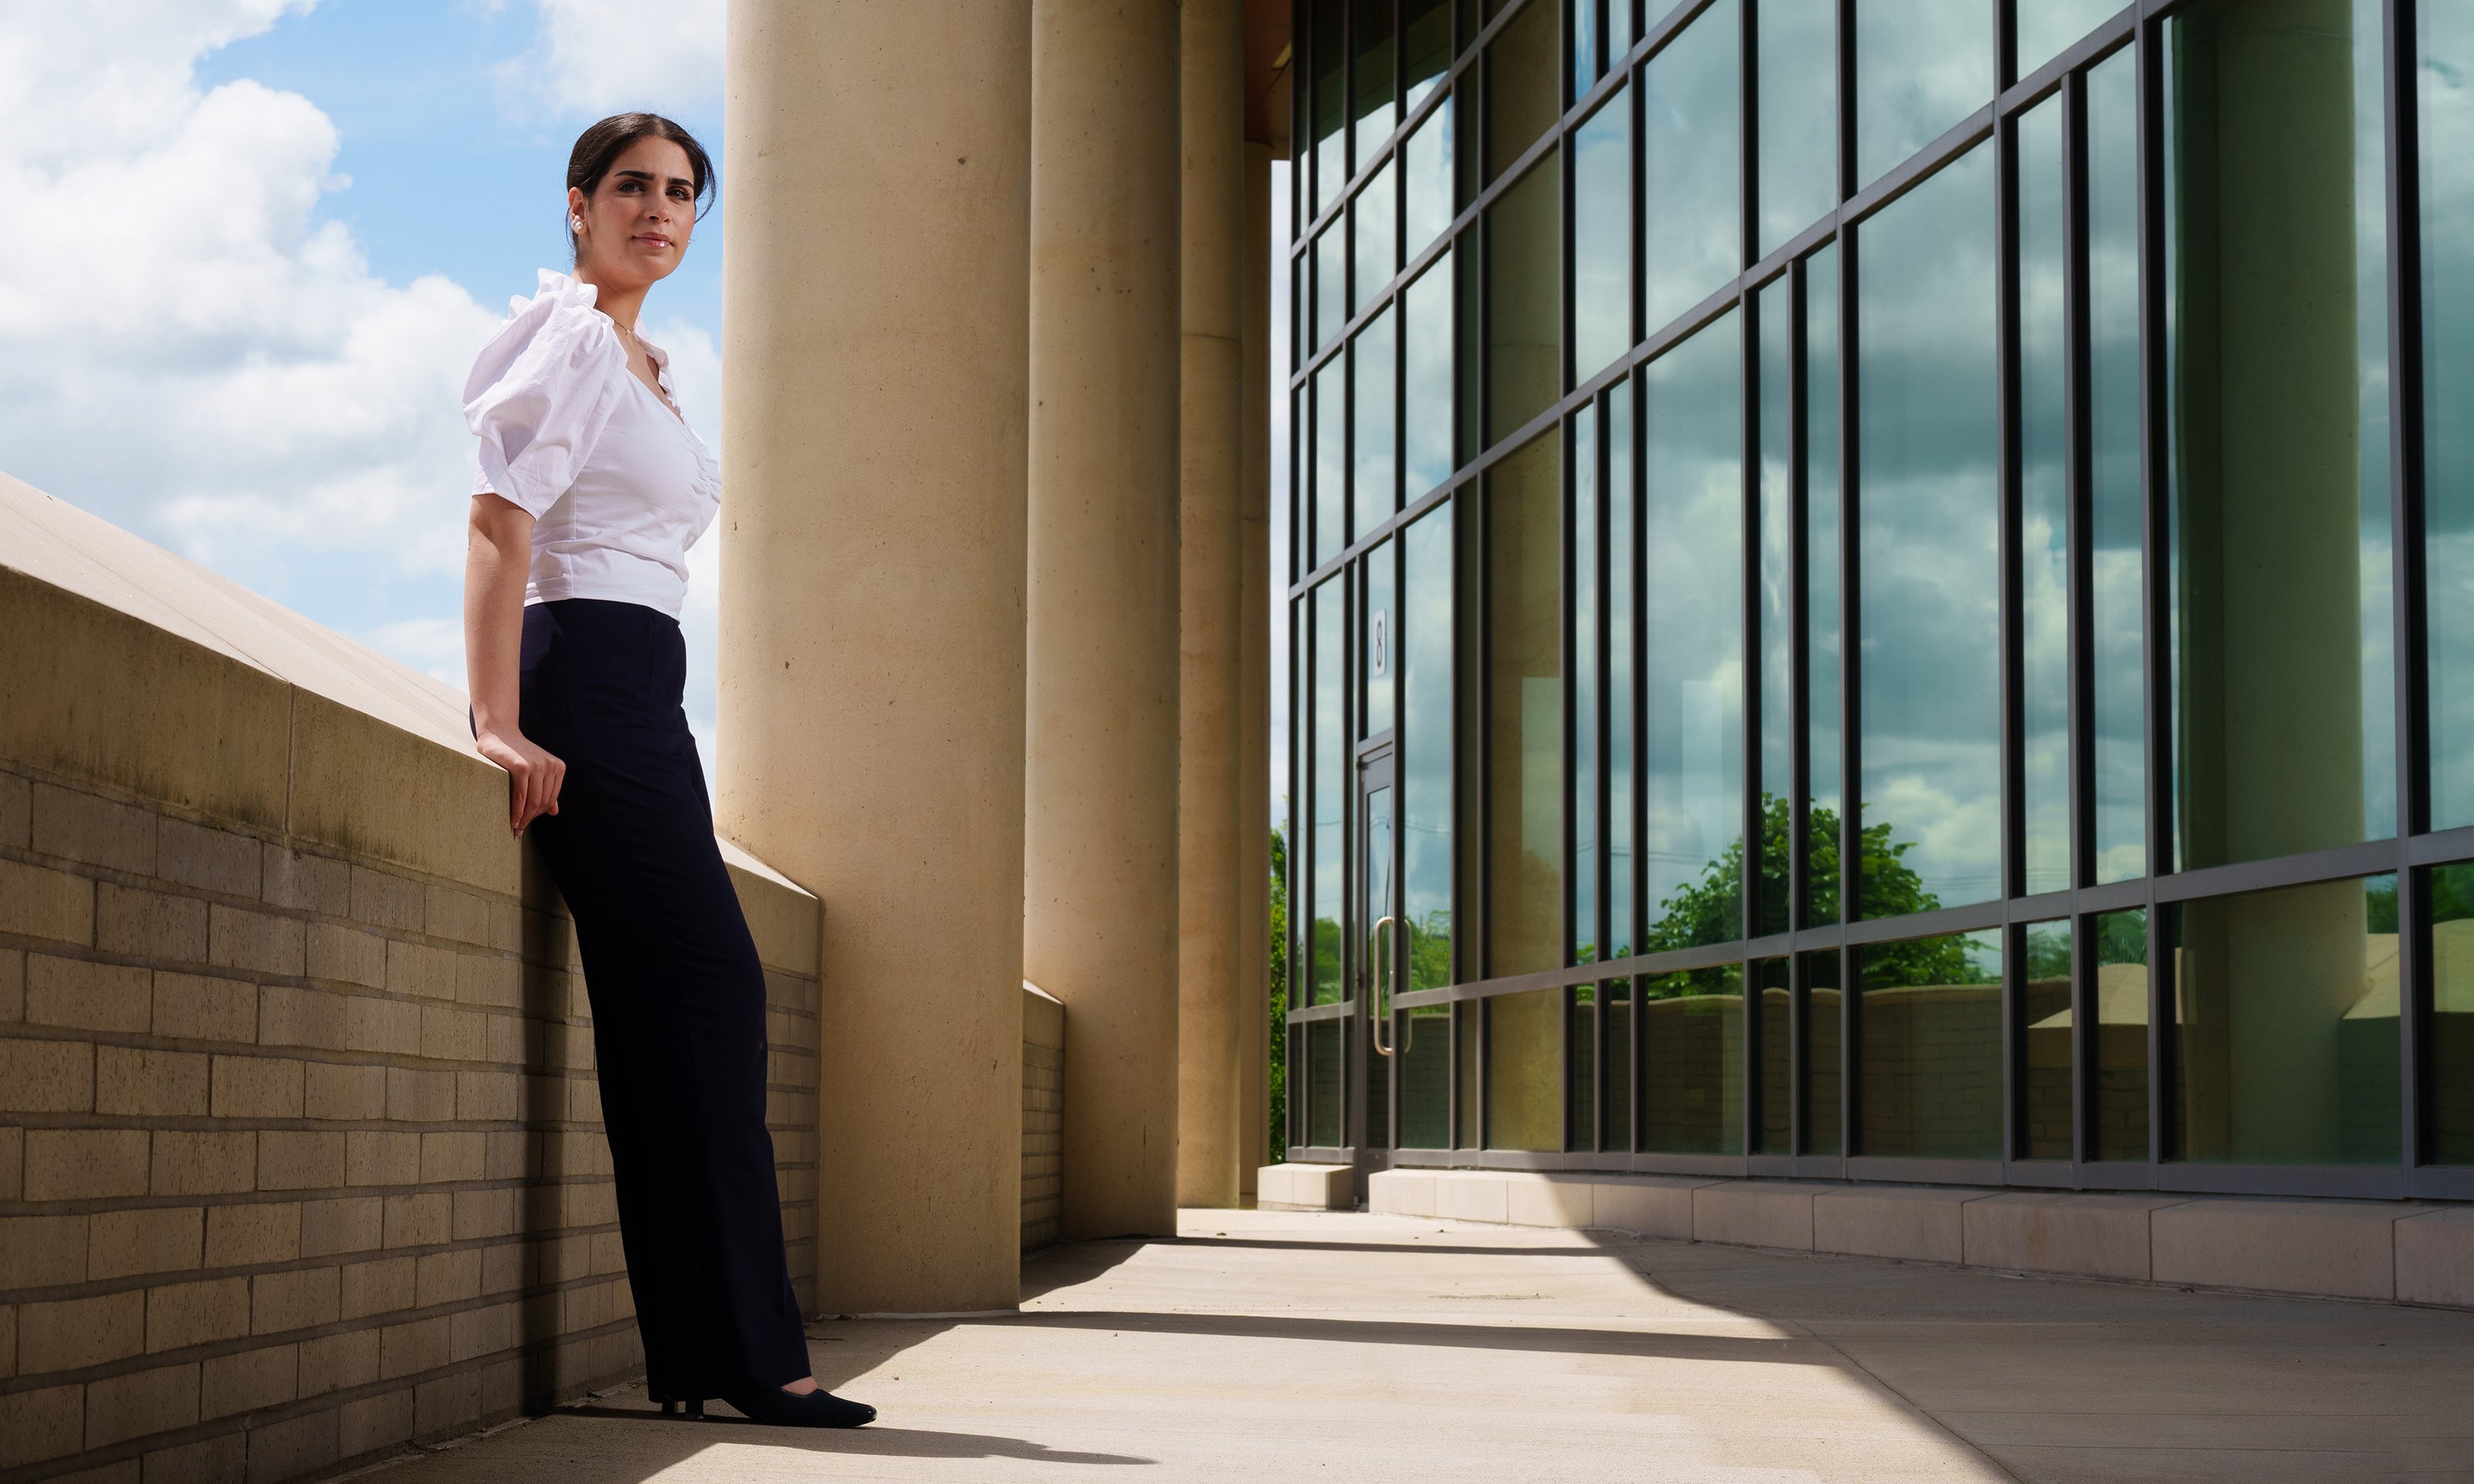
<point x="1211" y="435"/>
<point x="1100" y="928"/>
<point x="1255" y="671"/>
<point x="871" y="678"/>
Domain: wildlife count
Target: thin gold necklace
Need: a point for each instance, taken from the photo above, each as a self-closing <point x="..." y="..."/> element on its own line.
<point x="656" y="382"/>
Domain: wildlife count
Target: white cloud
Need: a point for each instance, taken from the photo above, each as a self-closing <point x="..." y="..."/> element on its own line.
<point x="188" y="352"/>
<point x="432" y="644"/>
<point x="606" y="56"/>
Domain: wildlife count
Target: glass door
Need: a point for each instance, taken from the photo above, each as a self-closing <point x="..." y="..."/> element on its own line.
<point x="1376" y="974"/>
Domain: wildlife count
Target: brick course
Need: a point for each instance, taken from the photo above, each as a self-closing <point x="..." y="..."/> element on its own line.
<point x="301" y="1159"/>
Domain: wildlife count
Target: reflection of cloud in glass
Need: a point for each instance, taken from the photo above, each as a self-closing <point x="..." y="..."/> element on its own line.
<point x="1928" y="502"/>
<point x="1824" y="713"/>
<point x="1920" y="67"/>
<point x="1425" y="748"/>
<point x="1798" y="60"/>
<point x="2371" y="321"/>
<point x="1331" y="284"/>
<point x="1694" y="501"/>
<point x="1331" y="461"/>
<point x="1426" y="163"/>
<point x="1693" y="141"/>
<point x="1375" y="216"/>
<point x="2446" y="86"/>
<point x="2044" y="516"/>
<point x="2047" y="27"/>
<point x="2117" y="668"/>
<point x="1601" y="238"/>
<point x="1375" y="494"/>
<point x="1774" y="597"/>
<point x="1426" y="415"/>
<point x="1619" y="671"/>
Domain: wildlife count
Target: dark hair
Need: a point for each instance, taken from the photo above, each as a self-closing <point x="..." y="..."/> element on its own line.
<point x="598" y="148"/>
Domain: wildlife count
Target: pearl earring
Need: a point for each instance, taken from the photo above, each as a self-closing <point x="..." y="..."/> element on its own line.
<point x="576" y="222"/>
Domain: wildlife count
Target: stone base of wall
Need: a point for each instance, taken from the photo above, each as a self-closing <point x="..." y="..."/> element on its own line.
<point x="2385" y="1251"/>
<point x="1305" y="1187"/>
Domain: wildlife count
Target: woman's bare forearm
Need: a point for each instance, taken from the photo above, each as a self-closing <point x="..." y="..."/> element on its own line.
<point x="498" y="553"/>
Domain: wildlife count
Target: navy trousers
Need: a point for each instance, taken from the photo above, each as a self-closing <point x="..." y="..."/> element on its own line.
<point x="678" y="998"/>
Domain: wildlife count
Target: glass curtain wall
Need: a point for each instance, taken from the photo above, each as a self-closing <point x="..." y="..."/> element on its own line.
<point x="1926" y="599"/>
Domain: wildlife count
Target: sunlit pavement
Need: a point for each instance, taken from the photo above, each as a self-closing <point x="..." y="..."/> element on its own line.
<point x="1274" y="1346"/>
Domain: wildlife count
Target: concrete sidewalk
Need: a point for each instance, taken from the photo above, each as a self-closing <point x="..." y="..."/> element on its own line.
<point x="1275" y="1346"/>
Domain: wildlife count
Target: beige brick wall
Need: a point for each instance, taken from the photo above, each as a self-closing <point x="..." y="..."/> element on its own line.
<point x="299" y="1146"/>
<point x="1043" y="1119"/>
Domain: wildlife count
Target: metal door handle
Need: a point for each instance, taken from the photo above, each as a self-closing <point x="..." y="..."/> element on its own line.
<point x="1381" y="1005"/>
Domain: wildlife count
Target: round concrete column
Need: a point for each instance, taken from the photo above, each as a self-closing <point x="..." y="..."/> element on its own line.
<point x="1211" y="424"/>
<point x="1100" y="849"/>
<point x="1254" y="677"/>
<point x="871" y="681"/>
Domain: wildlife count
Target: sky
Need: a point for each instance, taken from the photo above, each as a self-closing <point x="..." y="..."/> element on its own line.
<point x="259" y="242"/>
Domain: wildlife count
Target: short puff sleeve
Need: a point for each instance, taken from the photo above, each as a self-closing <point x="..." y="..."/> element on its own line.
<point x="542" y="391"/>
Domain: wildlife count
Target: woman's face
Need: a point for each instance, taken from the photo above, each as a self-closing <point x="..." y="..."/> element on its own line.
<point x="638" y="220"/>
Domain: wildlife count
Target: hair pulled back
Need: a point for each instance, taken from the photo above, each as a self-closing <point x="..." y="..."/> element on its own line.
<point x="598" y="149"/>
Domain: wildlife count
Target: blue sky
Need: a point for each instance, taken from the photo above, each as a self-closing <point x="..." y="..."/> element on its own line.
<point x="266" y="238"/>
<point x="456" y="166"/>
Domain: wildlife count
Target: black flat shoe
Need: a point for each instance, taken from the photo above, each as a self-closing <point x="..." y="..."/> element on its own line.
<point x="818" y="1409"/>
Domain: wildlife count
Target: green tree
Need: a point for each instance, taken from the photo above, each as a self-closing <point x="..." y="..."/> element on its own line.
<point x="1276" y="1034"/>
<point x="1711" y="910"/>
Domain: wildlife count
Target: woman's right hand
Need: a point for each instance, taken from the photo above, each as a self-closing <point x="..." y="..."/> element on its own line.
<point x="533" y="774"/>
<point x="496" y="552"/>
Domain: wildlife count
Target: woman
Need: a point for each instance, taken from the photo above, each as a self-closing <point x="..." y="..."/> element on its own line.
<point x="592" y="489"/>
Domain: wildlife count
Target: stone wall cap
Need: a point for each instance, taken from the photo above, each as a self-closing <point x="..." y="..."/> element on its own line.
<point x="56" y="543"/>
<point x="735" y="855"/>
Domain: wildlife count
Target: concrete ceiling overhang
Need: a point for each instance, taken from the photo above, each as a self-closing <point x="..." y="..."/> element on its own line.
<point x="1268" y="54"/>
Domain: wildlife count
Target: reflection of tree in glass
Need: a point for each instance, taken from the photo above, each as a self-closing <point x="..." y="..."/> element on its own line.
<point x="1711" y="910"/>
<point x="2452" y="898"/>
<point x="2382" y="900"/>
<point x="2048" y="956"/>
<point x="1276" y="1102"/>
<point x="1326" y="954"/>
<point x="1430" y="950"/>
<point x="2122" y="938"/>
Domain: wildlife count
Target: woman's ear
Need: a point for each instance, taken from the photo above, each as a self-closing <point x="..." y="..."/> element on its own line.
<point x="574" y="209"/>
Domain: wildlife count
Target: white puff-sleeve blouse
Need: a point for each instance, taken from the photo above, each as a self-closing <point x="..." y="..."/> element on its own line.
<point x="617" y="484"/>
